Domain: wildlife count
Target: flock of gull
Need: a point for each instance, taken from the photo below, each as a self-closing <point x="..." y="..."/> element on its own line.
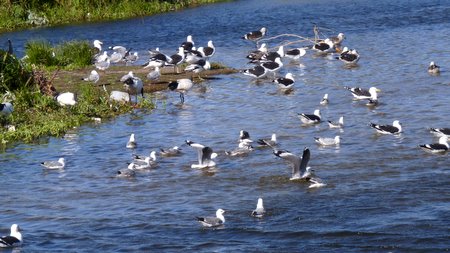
<point x="267" y="64"/>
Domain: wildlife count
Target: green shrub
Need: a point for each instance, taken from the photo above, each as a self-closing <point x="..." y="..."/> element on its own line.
<point x="13" y="75"/>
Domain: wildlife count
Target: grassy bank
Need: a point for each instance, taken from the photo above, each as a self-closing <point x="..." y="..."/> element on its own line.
<point x="25" y="14"/>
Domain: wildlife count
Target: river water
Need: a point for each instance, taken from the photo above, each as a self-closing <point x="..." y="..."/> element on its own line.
<point x="383" y="193"/>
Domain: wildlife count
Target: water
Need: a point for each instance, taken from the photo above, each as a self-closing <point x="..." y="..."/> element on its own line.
<point x="383" y="193"/>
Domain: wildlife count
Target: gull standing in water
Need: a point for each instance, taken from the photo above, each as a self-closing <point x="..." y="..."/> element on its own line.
<point x="13" y="239"/>
<point x="259" y="211"/>
<point x="182" y="86"/>
<point x="55" y="165"/>
<point x="205" y="155"/>
<point x="213" y="221"/>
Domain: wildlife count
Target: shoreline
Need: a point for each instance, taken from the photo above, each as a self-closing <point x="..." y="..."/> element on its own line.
<point x="16" y="16"/>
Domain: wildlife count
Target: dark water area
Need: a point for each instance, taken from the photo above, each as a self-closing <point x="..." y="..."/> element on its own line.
<point x="383" y="193"/>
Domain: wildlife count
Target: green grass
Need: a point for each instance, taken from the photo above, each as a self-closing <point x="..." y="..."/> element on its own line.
<point x="36" y="115"/>
<point x="68" y="55"/>
<point x="14" y="14"/>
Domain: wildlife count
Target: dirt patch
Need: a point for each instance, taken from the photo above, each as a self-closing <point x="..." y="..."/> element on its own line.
<point x="68" y="80"/>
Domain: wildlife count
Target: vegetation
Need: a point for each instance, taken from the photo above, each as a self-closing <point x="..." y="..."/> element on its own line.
<point x="68" y="55"/>
<point x="23" y="14"/>
<point x="36" y="112"/>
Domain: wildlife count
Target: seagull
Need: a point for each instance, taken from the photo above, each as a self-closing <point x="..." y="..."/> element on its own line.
<point x="242" y="150"/>
<point x="441" y="131"/>
<point x="103" y="65"/>
<point x="273" y="66"/>
<point x="193" y="56"/>
<point x="205" y="155"/>
<point x="93" y="77"/>
<point x="310" y="118"/>
<point x="255" y="35"/>
<point x="66" y="98"/>
<point x="142" y="158"/>
<point x="126" y="173"/>
<point x="339" y="124"/>
<point x="170" y="151"/>
<point x="270" y="142"/>
<point x="324" y="100"/>
<point x="433" y="68"/>
<point x="259" y="211"/>
<point x="157" y="60"/>
<point x="6" y="108"/>
<point x="349" y="56"/>
<point x="395" y="128"/>
<point x="126" y="76"/>
<point x="154" y="75"/>
<point x="148" y="163"/>
<point x="55" y="165"/>
<point x="130" y="58"/>
<point x="299" y="170"/>
<point x="316" y="183"/>
<point x="361" y="94"/>
<point x="258" y="54"/>
<point x="198" y="66"/>
<point x="98" y="45"/>
<point x="213" y="221"/>
<point x="256" y="72"/>
<point x="207" y="51"/>
<point x="325" y="46"/>
<point x="118" y="54"/>
<point x="328" y="141"/>
<point x="182" y="86"/>
<point x="285" y="82"/>
<point x="131" y="142"/>
<point x="177" y="59"/>
<point x="135" y="85"/>
<point x="337" y="40"/>
<point x="295" y="53"/>
<point x="271" y="56"/>
<point x="101" y="57"/>
<point x="244" y="137"/>
<point x="440" y="147"/>
<point x="188" y="44"/>
<point x="13" y="239"/>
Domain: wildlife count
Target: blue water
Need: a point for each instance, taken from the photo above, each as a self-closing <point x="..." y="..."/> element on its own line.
<point x="383" y="193"/>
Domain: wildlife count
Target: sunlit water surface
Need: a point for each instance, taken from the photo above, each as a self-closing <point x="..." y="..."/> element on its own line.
<point x="383" y="193"/>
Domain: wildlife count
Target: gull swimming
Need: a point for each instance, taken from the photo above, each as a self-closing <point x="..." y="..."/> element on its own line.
<point x="205" y="155"/>
<point x="255" y="35"/>
<point x="259" y="211"/>
<point x="13" y="239"/>
<point x="295" y="53"/>
<point x="55" y="165"/>
<point x="339" y="124"/>
<point x="441" y="131"/>
<point x="440" y="147"/>
<point x="349" y="56"/>
<point x="213" y="221"/>
<point x="285" y="82"/>
<point x="324" y="100"/>
<point x="256" y="72"/>
<point x="269" y="142"/>
<point x="131" y="142"/>
<point x="126" y="173"/>
<point x="271" y="56"/>
<point x="170" y="151"/>
<point x="142" y="158"/>
<point x="361" y="94"/>
<point x="395" y="128"/>
<point x="433" y="68"/>
<point x="148" y="163"/>
<point x="325" y="46"/>
<point x="310" y="118"/>
<point x="337" y="40"/>
<point x="328" y="141"/>
<point x="259" y="53"/>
